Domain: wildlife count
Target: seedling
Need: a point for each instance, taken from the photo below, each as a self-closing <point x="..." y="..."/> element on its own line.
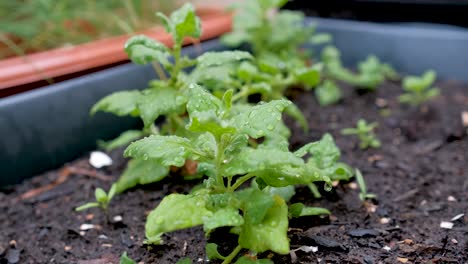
<point x="257" y="214"/>
<point x="419" y="90"/>
<point x="272" y="32"/>
<point x="124" y="259"/>
<point x="363" y="195"/>
<point x="328" y="93"/>
<point x="102" y="199"/>
<point x="365" y="133"/>
<point x="370" y="75"/>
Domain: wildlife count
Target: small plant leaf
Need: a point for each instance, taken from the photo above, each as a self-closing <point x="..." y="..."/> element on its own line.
<point x="87" y="206"/>
<point x="223" y="217"/>
<point x="124" y="259"/>
<point x="122" y="140"/>
<point x="270" y="233"/>
<point x="184" y="261"/>
<point x="328" y="93"/>
<point x="308" y="76"/>
<point x="101" y="195"/>
<point x="160" y="101"/>
<point x="140" y="171"/>
<point x="260" y="120"/>
<point x="120" y="103"/>
<point x="168" y="150"/>
<point x="176" y="211"/>
<point x="212" y="252"/>
<point x="209" y="59"/>
<point x="142" y="50"/>
<point x="182" y="23"/>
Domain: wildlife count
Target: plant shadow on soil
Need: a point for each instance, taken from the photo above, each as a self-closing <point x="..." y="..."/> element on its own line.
<point x="420" y="177"/>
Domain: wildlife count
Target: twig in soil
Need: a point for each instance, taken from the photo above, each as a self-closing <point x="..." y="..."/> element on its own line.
<point x="406" y="195"/>
<point x="63" y="176"/>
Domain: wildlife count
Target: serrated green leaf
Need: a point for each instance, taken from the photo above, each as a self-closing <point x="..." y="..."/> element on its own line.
<point x="209" y="59"/>
<point x="213" y="127"/>
<point x="183" y="23"/>
<point x="260" y="120"/>
<point x="255" y="205"/>
<point x="212" y="252"/>
<point x="328" y="93"/>
<point x="324" y="152"/>
<point x="120" y="103"/>
<point x="168" y="150"/>
<point x="175" y="212"/>
<point x="416" y="83"/>
<point x="228" y="216"/>
<point x="202" y="104"/>
<point x="142" y="50"/>
<point x="160" y="101"/>
<point x="122" y="140"/>
<point x="124" y="259"/>
<point x="270" y="233"/>
<point x="247" y="71"/>
<point x="140" y="171"/>
<point x="276" y="167"/>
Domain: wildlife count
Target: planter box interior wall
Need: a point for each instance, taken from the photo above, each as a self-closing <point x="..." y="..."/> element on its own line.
<point x="45" y="128"/>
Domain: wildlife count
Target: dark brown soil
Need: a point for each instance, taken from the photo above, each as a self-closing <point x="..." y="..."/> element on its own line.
<point x="420" y="176"/>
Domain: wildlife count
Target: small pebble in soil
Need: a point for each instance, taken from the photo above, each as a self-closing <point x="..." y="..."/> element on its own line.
<point x="106" y="245"/>
<point x="353" y="185"/>
<point x="454" y="241"/>
<point x="402" y="260"/>
<point x="67" y="248"/>
<point x="451" y="199"/>
<point x="384" y="220"/>
<point x="99" y="159"/>
<point x="458" y="216"/>
<point x="387" y="248"/>
<point x="117" y="218"/>
<point x="103" y="237"/>
<point x="464" y="117"/>
<point x="89" y="217"/>
<point x="446" y="225"/>
<point x="85" y="227"/>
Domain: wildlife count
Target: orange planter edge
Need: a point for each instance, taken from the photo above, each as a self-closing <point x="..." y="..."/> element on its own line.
<point x="63" y="61"/>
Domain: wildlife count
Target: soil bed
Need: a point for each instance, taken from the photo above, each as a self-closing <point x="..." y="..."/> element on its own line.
<point x="420" y="176"/>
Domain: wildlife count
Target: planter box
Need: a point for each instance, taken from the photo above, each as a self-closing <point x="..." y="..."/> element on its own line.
<point x="45" y="128"/>
<point x="31" y="71"/>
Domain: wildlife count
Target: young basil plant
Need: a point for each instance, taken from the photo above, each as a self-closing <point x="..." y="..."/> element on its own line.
<point x="371" y="72"/>
<point x="365" y="133"/>
<point x="225" y="154"/>
<point x="419" y="90"/>
<point x="328" y="93"/>
<point x="102" y="199"/>
<point x="165" y="97"/>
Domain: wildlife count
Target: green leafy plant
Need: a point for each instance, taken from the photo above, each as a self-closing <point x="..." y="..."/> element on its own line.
<point x="328" y="93"/>
<point x="365" y="133"/>
<point x="419" y="90"/>
<point x="371" y="72"/>
<point x="124" y="259"/>
<point x="102" y="199"/>
<point x="363" y="194"/>
<point x="165" y="97"/>
<point x="225" y="153"/>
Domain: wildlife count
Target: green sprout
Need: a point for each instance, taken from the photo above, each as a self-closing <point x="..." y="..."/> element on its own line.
<point x="371" y="72"/>
<point x="363" y="195"/>
<point x="102" y="199"/>
<point x="419" y="90"/>
<point x="328" y="93"/>
<point x="365" y="133"/>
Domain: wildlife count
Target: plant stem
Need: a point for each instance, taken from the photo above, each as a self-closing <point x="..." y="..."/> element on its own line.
<point x="233" y="254"/>
<point x="240" y="181"/>
<point x="176" y="69"/>
<point x="314" y="190"/>
<point x="159" y="70"/>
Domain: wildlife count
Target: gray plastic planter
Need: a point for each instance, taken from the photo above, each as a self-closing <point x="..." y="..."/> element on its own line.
<point x="42" y="129"/>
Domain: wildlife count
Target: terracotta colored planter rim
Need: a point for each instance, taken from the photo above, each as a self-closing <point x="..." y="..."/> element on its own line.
<point x="62" y="61"/>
